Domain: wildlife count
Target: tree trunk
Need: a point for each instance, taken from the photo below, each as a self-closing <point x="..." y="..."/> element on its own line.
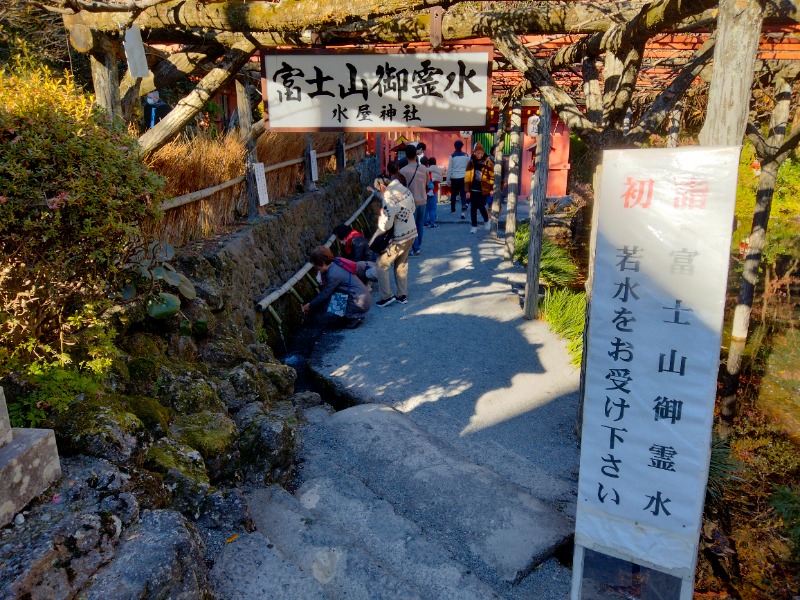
<point x="497" y="207"/>
<point x="513" y="180"/>
<point x="186" y="110"/>
<point x="738" y="31"/>
<point x="245" y="114"/>
<point x="105" y="78"/>
<point x="674" y="125"/>
<point x="772" y="153"/>
<point x="538" y="194"/>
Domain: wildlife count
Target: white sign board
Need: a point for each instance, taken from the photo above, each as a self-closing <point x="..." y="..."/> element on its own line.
<point x="314" y="165"/>
<point x="369" y="92"/>
<point x="261" y="183"/>
<point x="134" y="52"/>
<point x="660" y="271"/>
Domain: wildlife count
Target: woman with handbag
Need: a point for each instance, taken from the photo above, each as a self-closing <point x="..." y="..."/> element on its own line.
<point x="346" y="298"/>
<point x="397" y="216"/>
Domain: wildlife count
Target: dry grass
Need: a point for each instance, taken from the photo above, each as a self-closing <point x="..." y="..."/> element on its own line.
<point x="192" y="164"/>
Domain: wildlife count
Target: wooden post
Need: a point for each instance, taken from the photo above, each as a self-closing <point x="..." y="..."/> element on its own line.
<point x="245" y="124"/>
<point x="496" y="207"/>
<point x="379" y="152"/>
<point x="309" y="184"/>
<point x="537" y="197"/>
<point x="513" y="179"/>
<point x="105" y="77"/>
<point x="341" y="159"/>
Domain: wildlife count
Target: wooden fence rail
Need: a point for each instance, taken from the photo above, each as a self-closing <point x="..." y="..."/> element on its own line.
<point x="205" y="193"/>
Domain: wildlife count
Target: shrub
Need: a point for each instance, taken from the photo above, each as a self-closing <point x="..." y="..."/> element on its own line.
<point x="565" y="313"/>
<point x="556" y="266"/>
<point x="73" y="196"/>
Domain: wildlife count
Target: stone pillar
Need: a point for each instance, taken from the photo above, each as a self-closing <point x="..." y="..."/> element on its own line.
<point x="28" y="464"/>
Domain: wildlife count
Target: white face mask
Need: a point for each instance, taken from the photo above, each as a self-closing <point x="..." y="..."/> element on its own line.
<point x="151" y="100"/>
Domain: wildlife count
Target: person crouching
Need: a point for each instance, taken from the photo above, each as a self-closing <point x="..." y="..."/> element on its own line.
<point x="343" y="296"/>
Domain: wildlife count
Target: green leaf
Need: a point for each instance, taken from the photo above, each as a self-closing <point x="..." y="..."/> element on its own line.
<point x="171" y="277"/>
<point x="165" y="252"/>
<point x="128" y="292"/>
<point x="158" y="273"/>
<point x="163" y="306"/>
<point x="186" y="288"/>
<point x="200" y="328"/>
<point x="185" y="327"/>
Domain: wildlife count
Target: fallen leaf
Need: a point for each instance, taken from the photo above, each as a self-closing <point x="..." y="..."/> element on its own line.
<point x="233" y="538"/>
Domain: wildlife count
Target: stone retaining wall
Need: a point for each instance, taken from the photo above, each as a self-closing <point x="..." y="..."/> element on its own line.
<point x="242" y="268"/>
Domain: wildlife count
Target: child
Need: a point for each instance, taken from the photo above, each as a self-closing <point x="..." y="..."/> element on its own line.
<point x="433" y="193"/>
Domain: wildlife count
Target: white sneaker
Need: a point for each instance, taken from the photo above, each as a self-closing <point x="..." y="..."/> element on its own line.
<point x="474" y="230"/>
<point x="487" y="226"/>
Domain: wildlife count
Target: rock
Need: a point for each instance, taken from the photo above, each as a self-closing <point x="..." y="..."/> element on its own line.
<point x="161" y="557"/>
<point x="269" y="447"/>
<point x="248" y="385"/>
<point x="100" y="426"/>
<point x="279" y="378"/>
<point x="143" y="344"/>
<point x="187" y="391"/>
<point x="263" y="352"/>
<point x="213" y="435"/>
<point x="19" y="519"/>
<point x="225" y="353"/>
<point x="247" y="414"/>
<point x="151" y="413"/>
<point x="223" y="514"/>
<point x="169" y="454"/>
<point x="182" y="348"/>
<point x="305" y="400"/>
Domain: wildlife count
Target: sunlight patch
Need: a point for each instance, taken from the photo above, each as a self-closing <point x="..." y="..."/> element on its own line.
<point x="500" y="405"/>
<point x="433" y="394"/>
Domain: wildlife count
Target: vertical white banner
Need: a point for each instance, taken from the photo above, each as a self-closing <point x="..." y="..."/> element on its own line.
<point x="261" y="183"/>
<point x="661" y="266"/>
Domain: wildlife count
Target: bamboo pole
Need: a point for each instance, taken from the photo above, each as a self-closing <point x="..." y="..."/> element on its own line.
<point x="265" y="303"/>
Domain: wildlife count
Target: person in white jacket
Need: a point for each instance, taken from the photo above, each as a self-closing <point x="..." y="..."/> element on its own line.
<point x="456" y="171"/>
<point x="397" y="211"/>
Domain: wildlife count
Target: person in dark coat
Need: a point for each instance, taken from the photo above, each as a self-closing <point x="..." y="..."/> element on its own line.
<point x="338" y="275"/>
<point x="154" y="110"/>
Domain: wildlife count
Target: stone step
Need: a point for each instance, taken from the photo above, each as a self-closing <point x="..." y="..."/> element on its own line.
<point x="541" y="468"/>
<point x="252" y="568"/>
<point x="493" y="526"/>
<point x="346" y="503"/>
<point x="336" y="560"/>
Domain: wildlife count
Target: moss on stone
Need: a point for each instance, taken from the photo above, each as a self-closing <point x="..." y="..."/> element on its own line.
<point x="143" y="344"/>
<point x="156" y="418"/>
<point x="168" y="454"/>
<point x="98" y="425"/>
<point x="186" y="390"/>
<point x="211" y="434"/>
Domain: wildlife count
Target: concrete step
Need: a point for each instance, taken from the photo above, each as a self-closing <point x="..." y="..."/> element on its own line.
<point x="336" y="560"/>
<point x="252" y="568"/>
<point x="493" y="526"/>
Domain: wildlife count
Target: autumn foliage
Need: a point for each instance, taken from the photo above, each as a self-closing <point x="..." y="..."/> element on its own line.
<point x="73" y="194"/>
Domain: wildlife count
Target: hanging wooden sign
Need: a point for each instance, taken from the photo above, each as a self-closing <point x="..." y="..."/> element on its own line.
<point x="377" y="91"/>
